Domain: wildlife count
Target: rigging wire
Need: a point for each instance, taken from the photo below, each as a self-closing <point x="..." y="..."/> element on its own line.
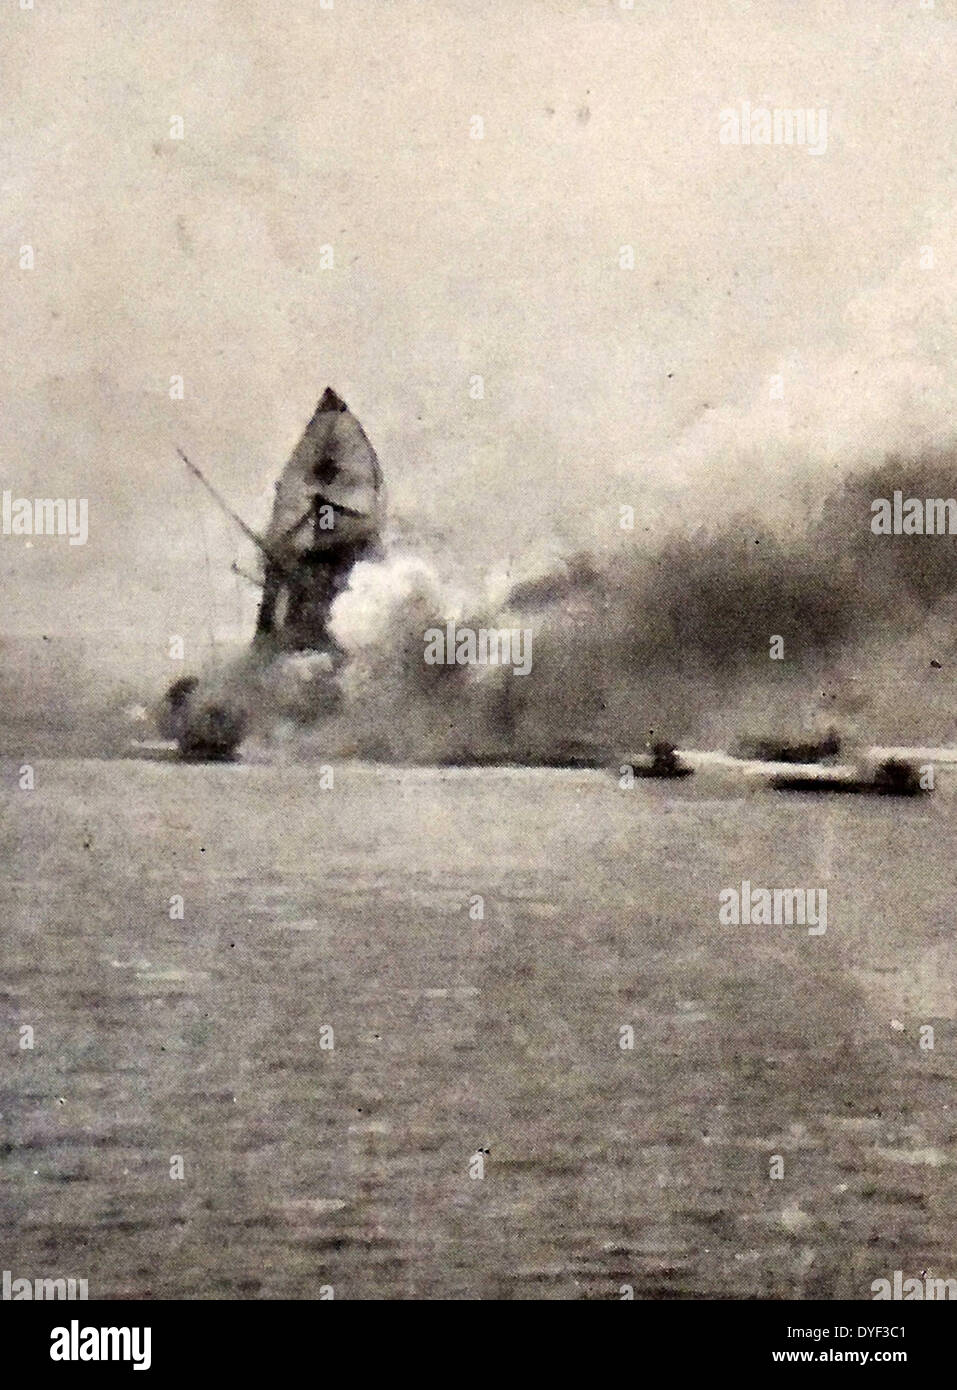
<point x="209" y="587"/>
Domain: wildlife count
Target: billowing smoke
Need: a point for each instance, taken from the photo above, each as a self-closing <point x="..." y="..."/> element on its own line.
<point x="744" y="627"/>
<point x="682" y="640"/>
<point x="395" y="705"/>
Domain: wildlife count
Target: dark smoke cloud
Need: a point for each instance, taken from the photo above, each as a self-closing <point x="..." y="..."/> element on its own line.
<point x="678" y="641"/>
<point x="667" y="641"/>
<point x="671" y="641"/>
<point x="674" y="641"/>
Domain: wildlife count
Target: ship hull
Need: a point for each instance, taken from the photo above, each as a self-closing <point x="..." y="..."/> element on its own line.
<point x="848" y="786"/>
<point x="327" y="516"/>
<point x="660" y="774"/>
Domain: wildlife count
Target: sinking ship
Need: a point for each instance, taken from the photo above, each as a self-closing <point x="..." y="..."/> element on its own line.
<point x="327" y="515"/>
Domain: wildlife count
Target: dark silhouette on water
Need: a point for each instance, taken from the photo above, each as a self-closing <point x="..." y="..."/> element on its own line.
<point x="326" y="517"/>
<point x="663" y="761"/>
<point x="769" y="750"/>
<point x="893" y="777"/>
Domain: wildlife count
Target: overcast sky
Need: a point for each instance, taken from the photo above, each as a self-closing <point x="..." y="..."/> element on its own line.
<point x="454" y="257"/>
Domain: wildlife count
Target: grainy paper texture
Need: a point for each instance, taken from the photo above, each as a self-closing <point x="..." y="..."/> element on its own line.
<point x="477" y="701"/>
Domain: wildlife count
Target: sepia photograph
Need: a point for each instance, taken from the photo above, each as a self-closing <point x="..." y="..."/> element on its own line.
<point x="478" y="662"/>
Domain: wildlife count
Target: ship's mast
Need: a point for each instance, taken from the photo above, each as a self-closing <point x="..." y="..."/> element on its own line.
<point x="247" y="531"/>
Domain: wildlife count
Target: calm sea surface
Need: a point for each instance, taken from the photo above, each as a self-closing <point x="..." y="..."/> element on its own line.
<point x="349" y="908"/>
